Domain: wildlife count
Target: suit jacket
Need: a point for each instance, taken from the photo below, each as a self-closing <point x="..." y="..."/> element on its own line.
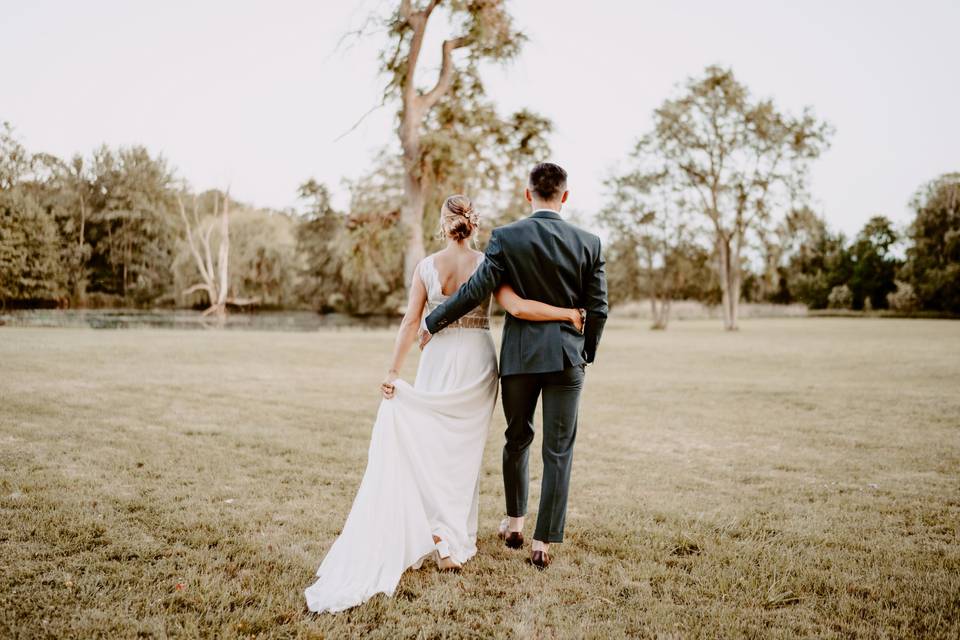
<point x="547" y="259"/>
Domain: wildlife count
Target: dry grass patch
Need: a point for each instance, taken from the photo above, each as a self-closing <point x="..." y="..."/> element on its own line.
<point x="797" y="478"/>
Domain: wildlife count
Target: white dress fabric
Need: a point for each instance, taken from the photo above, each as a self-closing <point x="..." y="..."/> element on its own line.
<point x="423" y="466"/>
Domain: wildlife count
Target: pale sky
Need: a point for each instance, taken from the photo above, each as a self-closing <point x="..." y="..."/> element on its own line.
<point x="253" y="94"/>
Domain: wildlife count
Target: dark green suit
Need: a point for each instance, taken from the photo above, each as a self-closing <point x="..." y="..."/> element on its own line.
<point x="547" y="259"/>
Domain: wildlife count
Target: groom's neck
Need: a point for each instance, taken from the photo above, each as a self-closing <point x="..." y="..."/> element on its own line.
<point x="538" y="205"/>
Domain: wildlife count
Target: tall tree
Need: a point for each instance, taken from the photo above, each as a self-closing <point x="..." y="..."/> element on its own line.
<point x="54" y="186"/>
<point x="132" y="225"/>
<point x="319" y="234"/>
<point x="933" y="260"/>
<point x="371" y="245"/>
<point x="737" y="159"/>
<point x="874" y="264"/>
<point x="468" y="147"/>
<point x="813" y="259"/>
<point x="649" y="219"/>
<point x="29" y="250"/>
<point x="485" y="30"/>
<point x="208" y="240"/>
<point x="15" y="161"/>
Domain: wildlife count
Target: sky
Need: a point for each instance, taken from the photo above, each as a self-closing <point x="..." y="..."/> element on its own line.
<point x="256" y="95"/>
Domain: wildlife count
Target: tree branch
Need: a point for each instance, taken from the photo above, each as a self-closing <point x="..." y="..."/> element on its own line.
<point x="199" y="287"/>
<point x="417" y="22"/>
<point x="190" y="241"/>
<point x="445" y="79"/>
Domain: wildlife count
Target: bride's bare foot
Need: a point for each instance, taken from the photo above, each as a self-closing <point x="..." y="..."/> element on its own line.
<point x="441" y="555"/>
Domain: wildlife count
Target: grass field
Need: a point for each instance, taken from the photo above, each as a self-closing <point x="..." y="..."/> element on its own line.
<point x="798" y="478"/>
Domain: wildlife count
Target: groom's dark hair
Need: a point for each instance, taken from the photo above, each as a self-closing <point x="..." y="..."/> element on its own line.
<point x="548" y="181"/>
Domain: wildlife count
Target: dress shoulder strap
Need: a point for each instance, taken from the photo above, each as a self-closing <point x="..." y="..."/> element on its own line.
<point x="428" y="275"/>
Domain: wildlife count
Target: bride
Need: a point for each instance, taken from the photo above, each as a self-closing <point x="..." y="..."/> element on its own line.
<point x="419" y="494"/>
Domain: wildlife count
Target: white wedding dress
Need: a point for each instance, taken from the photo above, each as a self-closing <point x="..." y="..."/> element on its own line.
<point x="423" y="465"/>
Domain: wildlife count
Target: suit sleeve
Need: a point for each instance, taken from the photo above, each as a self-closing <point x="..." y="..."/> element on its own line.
<point x="474" y="291"/>
<point x="595" y="301"/>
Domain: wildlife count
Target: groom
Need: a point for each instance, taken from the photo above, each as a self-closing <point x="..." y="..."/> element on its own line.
<point x="543" y="258"/>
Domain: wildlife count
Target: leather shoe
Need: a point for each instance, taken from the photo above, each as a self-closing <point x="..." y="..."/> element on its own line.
<point x="540" y="559"/>
<point x="512" y="539"/>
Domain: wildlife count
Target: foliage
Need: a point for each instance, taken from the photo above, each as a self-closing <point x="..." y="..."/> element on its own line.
<point x="484" y="30"/>
<point x="133" y="224"/>
<point x="354" y="262"/>
<point x="841" y="297"/>
<point x="469" y="148"/>
<point x="933" y="260"/>
<point x="653" y="229"/>
<point x="874" y="264"/>
<point x="29" y="256"/>
<point x="372" y="247"/>
<point x="262" y="254"/>
<point x="319" y="234"/>
<point x="903" y="298"/>
<point x="813" y="260"/>
<point x="736" y="160"/>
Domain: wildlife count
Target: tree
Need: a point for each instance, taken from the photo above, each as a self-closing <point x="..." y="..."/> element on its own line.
<point x="933" y="260"/>
<point x="15" y="161"/>
<point x="653" y="226"/>
<point x="737" y="159"/>
<point x="812" y="259"/>
<point x="208" y="240"/>
<point x="263" y="259"/>
<point x="485" y="30"/>
<point x="29" y="256"/>
<point x="468" y="147"/>
<point x="354" y="262"/>
<point x="840" y="297"/>
<point x="55" y="187"/>
<point x="371" y="245"/>
<point x="874" y="264"/>
<point x="319" y="234"/>
<point x="131" y="226"/>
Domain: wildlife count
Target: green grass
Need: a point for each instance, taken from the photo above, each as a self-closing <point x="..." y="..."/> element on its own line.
<point x="800" y="477"/>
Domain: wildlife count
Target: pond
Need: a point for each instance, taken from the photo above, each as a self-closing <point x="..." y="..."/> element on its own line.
<point x="187" y="319"/>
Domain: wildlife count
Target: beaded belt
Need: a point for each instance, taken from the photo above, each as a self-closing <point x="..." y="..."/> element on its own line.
<point x="471" y="322"/>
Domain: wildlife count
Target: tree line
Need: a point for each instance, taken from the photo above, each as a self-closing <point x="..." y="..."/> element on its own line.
<point x="118" y="228"/>
<point x="711" y="204"/>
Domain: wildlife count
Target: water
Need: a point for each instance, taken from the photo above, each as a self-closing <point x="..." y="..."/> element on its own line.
<point x="185" y="319"/>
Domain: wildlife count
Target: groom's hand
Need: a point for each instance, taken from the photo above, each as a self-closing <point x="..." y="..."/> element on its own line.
<point x="423" y="337"/>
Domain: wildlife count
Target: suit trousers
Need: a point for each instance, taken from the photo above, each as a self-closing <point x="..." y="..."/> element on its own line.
<point x="561" y="401"/>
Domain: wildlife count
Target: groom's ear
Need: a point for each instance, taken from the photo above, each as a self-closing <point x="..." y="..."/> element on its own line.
<point x="526" y="194"/>
<point x="563" y="198"/>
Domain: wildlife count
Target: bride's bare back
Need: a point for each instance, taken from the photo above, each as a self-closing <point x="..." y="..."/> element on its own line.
<point x="454" y="266"/>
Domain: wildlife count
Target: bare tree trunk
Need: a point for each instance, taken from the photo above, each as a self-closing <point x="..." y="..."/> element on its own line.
<point x="411" y="214"/>
<point x="735" y="283"/>
<point x="729" y="268"/>
<point x="415" y="107"/>
<point x="78" y="275"/>
<point x="223" y="258"/>
<point x="725" y="269"/>
<point x="661" y="311"/>
<point x="126" y="257"/>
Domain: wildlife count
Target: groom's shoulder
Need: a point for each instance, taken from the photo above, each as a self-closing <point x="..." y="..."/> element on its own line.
<point x="528" y="225"/>
<point x="585" y="237"/>
<point x="505" y="231"/>
<point x="583" y="233"/>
